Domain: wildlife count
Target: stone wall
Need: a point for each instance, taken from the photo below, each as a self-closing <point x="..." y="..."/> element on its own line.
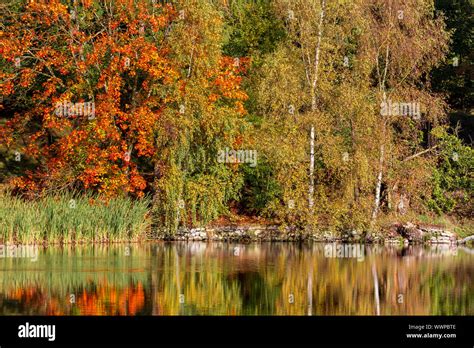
<point x="411" y="233"/>
<point x="397" y="233"/>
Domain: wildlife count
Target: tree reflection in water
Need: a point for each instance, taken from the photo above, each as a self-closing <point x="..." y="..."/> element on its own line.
<point x="199" y="278"/>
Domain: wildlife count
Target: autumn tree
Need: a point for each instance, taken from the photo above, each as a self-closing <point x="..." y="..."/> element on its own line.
<point x="164" y="100"/>
<point x="340" y="61"/>
<point x="191" y="185"/>
<point x="401" y="58"/>
<point x="311" y="158"/>
<point x="60" y="58"/>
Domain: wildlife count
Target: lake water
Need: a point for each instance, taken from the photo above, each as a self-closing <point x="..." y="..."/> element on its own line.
<point x="198" y="278"/>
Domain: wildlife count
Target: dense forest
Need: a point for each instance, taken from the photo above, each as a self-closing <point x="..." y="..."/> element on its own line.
<point x="322" y="114"/>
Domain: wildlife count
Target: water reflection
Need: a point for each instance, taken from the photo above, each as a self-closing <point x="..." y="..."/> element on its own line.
<point x="199" y="278"/>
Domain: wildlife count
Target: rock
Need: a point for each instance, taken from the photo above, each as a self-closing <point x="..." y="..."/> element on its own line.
<point x="394" y="230"/>
<point x="467" y="239"/>
<point x="412" y="233"/>
<point x="392" y="241"/>
<point x="426" y="233"/>
<point x="431" y="228"/>
<point x="440" y="239"/>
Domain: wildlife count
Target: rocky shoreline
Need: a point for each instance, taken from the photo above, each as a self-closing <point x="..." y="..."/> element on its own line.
<point x="397" y="233"/>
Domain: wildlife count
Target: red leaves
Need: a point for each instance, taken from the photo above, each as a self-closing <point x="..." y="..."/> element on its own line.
<point x="227" y="81"/>
<point x="129" y="73"/>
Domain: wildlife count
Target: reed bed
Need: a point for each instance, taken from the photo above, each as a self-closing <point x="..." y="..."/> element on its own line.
<point x="69" y="217"/>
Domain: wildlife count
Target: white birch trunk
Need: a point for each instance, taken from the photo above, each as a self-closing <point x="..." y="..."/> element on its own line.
<point x="313" y="106"/>
<point x="311" y="170"/>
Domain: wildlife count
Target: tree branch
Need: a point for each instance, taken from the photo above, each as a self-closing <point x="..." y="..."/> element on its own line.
<point x="419" y="153"/>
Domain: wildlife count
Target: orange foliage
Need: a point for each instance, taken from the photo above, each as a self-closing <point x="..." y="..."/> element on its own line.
<point x="122" y="65"/>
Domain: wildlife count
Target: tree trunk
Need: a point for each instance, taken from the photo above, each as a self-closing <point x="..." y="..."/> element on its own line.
<point x="378" y="185"/>
<point x="311" y="171"/>
<point x="354" y="175"/>
<point x="157" y="196"/>
<point x="314" y="106"/>
<point x="317" y="53"/>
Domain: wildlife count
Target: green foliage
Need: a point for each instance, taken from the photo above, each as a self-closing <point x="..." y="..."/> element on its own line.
<point x="192" y="187"/>
<point x="259" y="189"/>
<point x="456" y="79"/>
<point x="253" y="29"/>
<point x="453" y="177"/>
<point x="70" y="218"/>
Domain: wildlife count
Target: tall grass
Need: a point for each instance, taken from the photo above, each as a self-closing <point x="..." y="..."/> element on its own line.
<point x="68" y="217"/>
